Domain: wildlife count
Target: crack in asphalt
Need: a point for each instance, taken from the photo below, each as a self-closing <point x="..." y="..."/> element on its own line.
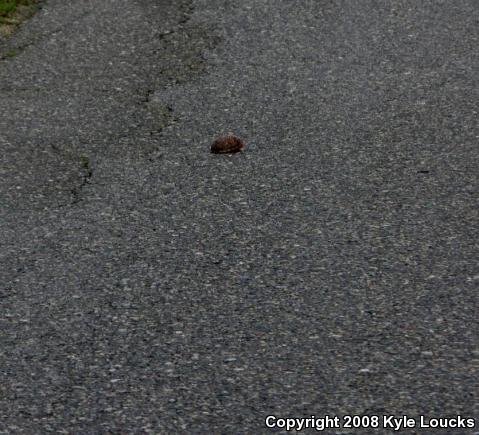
<point x="86" y="179"/>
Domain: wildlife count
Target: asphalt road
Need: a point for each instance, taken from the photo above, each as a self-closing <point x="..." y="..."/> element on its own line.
<point x="147" y="286"/>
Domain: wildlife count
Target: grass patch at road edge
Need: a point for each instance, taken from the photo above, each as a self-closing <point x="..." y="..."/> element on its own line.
<point x="14" y="12"/>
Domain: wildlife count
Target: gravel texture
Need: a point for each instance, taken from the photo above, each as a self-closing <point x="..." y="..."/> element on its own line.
<point x="148" y="286"/>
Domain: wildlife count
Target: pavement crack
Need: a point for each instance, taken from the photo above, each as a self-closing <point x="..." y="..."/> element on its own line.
<point x="147" y="97"/>
<point x="86" y="178"/>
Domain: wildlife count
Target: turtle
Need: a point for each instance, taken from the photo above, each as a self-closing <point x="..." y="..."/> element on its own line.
<point x="228" y="144"/>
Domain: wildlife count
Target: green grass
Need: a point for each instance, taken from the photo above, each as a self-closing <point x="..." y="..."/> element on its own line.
<point x="10" y="10"/>
<point x="8" y="7"/>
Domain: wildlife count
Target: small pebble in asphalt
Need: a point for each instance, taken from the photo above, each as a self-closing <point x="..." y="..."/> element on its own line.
<point x="227" y="144"/>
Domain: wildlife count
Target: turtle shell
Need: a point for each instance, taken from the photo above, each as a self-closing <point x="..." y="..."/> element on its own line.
<point x="227" y="144"/>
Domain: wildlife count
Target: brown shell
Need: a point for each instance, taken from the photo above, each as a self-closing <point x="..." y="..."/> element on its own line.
<point x="227" y="144"/>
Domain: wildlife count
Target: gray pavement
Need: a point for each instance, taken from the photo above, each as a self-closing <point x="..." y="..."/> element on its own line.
<point x="147" y="286"/>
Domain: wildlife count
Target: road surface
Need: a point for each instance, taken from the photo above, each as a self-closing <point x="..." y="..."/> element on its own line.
<point x="148" y="286"/>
